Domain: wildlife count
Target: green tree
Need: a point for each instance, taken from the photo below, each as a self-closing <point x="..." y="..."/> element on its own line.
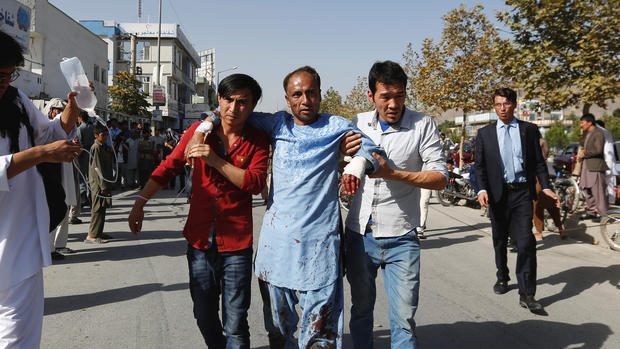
<point x="556" y="136"/>
<point x="612" y="124"/>
<point x="563" y="52"/>
<point x="331" y="102"/>
<point x="357" y="100"/>
<point x="461" y="70"/>
<point x="126" y="95"/>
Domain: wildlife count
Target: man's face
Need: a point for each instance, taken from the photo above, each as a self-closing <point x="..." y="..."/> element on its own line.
<point x="303" y="96"/>
<point x="585" y="125"/>
<point x="54" y="112"/>
<point x="134" y="135"/>
<point x="5" y="78"/>
<point x="442" y="137"/>
<point x="113" y="124"/>
<point x="389" y="101"/>
<point x="102" y="137"/>
<point x="504" y="109"/>
<point x="236" y="107"/>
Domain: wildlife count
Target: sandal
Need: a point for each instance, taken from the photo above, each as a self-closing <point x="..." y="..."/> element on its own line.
<point x="96" y="241"/>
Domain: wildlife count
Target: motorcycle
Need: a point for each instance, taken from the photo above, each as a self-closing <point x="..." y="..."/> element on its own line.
<point x="458" y="188"/>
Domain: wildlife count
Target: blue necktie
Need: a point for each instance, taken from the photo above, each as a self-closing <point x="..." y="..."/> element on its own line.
<point x="509" y="167"/>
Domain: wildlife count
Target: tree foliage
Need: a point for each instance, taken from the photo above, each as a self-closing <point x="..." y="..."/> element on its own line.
<point x="556" y="136"/>
<point x="331" y="102"/>
<point x="126" y="95"/>
<point x="563" y="52"/>
<point x="460" y="71"/>
<point x="357" y="100"/>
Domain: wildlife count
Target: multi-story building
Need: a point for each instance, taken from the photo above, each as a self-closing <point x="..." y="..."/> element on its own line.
<point x="54" y="35"/>
<point x="179" y="61"/>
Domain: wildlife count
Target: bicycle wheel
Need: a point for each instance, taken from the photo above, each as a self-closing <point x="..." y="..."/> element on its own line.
<point x="610" y="229"/>
<point x="444" y="198"/>
<point x="572" y="195"/>
<point x="343" y="199"/>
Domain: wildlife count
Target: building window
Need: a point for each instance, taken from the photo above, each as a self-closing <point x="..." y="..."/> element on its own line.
<point x="143" y="51"/>
<point x="124" y="50"/>
<point x="104" y="76"/>
<point x="96" y="73"/>
<point x="146" y="83"/>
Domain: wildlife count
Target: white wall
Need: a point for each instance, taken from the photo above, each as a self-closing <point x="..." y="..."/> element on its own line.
<point x="60" y="36"/>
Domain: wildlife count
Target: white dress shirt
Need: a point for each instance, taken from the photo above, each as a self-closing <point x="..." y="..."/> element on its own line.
<point x="24" y="215"/>
<point x="412" y="145"/>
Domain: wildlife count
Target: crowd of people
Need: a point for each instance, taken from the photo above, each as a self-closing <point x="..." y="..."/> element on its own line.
<point x="304" y="247"/>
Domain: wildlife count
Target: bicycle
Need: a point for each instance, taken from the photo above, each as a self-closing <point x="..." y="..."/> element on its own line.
<point x="610" y="229"/>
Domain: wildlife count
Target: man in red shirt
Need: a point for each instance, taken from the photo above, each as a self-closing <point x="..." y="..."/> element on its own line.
<point x="230" y="166"/>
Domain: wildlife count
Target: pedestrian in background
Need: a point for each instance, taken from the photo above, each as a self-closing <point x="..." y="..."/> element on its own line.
<point x="543" y="202"/>
<point x="122" y="152"/>
<point x="610" y="160"/>
<point x="131" y="169"/>
<point x="508" y="186"/>
<point x="100" y="178"/>
<point x="593" y="170"/>
<point x="145" y="156"/>
<point x="60" y="235"/>
<point x="86" y="136"/>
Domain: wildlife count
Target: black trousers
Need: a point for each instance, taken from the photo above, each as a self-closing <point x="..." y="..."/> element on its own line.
<point x="513" y="216"/>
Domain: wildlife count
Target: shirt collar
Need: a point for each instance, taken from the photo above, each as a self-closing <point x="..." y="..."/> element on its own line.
<point x="406" y="121"/>
<point x="513" y="123"/>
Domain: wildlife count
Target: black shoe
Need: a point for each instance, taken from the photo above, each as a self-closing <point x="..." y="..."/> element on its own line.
<point x="57" y="256"/>
<point x="75" y="220"/>
<point x="596" y="220"/>
<point x="530" y="303"/>
<point x="65" y="250"/>
<point x="500" y="287"/>
<point x="583" y="217"/>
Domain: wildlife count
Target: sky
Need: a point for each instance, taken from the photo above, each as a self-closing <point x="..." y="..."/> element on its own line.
<point x="267" y="39"/>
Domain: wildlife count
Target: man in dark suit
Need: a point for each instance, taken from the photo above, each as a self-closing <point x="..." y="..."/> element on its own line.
<point x="508" y="160"/>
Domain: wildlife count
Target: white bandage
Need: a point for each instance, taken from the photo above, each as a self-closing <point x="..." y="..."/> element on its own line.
<point x="356" y="167"/>
<point x="204" y="127"/>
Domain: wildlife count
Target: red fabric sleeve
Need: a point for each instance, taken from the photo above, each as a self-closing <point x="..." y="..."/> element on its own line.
<point x="173" y="165"/>
<point x="255" y="177"/>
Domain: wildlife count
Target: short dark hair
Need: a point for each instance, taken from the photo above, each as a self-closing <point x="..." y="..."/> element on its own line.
<point x="12" y="53"/>
<point x="99" y="128"/>
<point x="588" y="117"/>
<point x="507" y="93"/>
<point x="599" y="122"/>
<point x="305" y="69"/>
<point x="236" y="82"/>
<point x="388" y="73"/>
<point x="84" y="116"/>
<point x="450" y="162"/>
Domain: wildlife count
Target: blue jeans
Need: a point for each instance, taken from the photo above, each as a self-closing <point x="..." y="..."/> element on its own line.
<point x="399" y="258"/>
<point x="322" y="316"/>
<point x="212" y="273"/>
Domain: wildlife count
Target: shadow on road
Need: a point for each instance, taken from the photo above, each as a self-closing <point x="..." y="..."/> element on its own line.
<point x="459" y="229"/>
<point x="524" y="334"/>
<point x="579" y="279"/>
<point x="433" y="242"/>
<point x="55" y="305"/>
<point x="115" y="252"/>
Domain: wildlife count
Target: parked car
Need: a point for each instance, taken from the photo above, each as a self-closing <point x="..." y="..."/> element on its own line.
<point x="565" y="160"/>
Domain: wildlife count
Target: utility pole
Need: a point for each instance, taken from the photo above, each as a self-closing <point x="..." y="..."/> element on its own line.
<point x="132" y="65"/>
<point x="157" y="82"/>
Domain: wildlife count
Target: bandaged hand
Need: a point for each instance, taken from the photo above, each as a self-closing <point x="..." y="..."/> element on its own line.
<point x="352" y="174"/>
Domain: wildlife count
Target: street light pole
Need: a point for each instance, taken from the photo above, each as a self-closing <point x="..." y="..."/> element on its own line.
<point x="222" y="71"/>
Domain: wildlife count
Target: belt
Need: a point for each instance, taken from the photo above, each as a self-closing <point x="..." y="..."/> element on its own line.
<point x="515" y="185"/>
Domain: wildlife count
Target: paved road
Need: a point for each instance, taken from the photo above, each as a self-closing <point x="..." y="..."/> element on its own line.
<point x="133" y="292"/>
